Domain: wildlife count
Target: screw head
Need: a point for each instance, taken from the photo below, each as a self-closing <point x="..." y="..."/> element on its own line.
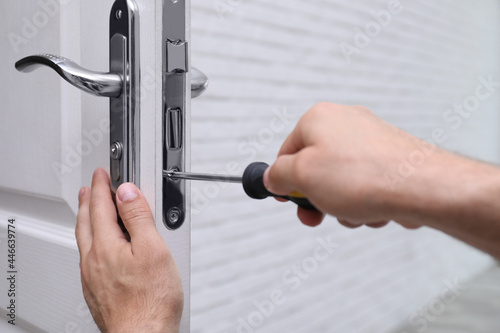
<point x="174" y="215"/>
<point x="116" y="150"/>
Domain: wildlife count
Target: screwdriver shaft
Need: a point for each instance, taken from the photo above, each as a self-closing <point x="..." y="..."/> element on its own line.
<point x="202" y="177"/>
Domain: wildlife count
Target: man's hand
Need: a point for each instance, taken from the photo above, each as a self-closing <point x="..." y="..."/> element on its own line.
<point x="337" y="155"/>
<point x="130" y="286"/>
<point x="340" y="158"/>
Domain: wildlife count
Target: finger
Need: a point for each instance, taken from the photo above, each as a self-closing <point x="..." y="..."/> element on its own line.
<point x="279" y="178"/>
<point x="377" y="225"/>
<point x="349" y="225"/>
<point x="293" y="143"/>
<point x="136" y="214"/>
<point x="103" y="217"/>
<point x="311" y="218"/>
<point x="83" y="229"/>
<point x="409" y="225"/>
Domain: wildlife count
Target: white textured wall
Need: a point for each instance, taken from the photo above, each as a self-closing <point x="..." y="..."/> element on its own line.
<point x="264" y="57"/>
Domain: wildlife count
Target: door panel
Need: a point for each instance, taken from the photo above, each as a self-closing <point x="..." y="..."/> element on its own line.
<point x="40" y="113"/>
<point x="45" y="140"/>
<point x="52" y="137"/>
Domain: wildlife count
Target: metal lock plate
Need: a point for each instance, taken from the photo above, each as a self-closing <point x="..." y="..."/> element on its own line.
<point x="181" y="82"/>
<point x="175" y="97"/>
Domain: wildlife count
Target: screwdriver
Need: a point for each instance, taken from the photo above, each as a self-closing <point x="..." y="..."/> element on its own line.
<point x="252" y="180"/>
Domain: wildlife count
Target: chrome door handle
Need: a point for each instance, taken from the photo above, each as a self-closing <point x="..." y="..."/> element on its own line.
<point x="199" y="82"/>
<point x="95" y="83"/>
<point x="99" y="84"/>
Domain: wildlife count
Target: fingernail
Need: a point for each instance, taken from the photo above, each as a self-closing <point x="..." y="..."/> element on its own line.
<point x="127" y="192"/>
<point x="81" y="193"/>
<point x="266" y="179"/>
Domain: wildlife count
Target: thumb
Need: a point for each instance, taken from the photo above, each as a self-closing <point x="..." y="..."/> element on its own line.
<point x="135" y="212"/>
<point x="280" y="177"/>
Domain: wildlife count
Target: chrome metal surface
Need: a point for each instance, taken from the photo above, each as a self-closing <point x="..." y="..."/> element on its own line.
<point x="95" y="83"/>
<point x="199" y="82"/>
<point x="181" y="82"/>
<point x="174" y="129"/>
<point x="177" y="61"/>
<point x="174" y="215"/>
<point x="176" y="93"/>
<point x="124" y="109"/>
<point x="116" y="150"/>
<point x="201" y="176"/>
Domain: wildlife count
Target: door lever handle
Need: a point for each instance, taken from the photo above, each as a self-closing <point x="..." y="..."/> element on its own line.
<point x="95" y="83"/>
<point x="199" y="82"/>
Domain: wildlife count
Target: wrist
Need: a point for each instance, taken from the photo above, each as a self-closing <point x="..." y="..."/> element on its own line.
<point x="447" y="188"/>
<point x="423" y="189"/>
<point x="143" y="328"/>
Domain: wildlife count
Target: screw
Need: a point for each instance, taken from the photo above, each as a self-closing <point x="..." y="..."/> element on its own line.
<point x="174" y="215"/>
<point x="116" y="150"/>
<point x="174" y="169"/>
<point x="119" y="14"/>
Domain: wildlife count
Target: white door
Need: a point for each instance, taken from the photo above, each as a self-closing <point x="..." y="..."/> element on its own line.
<point x="52" y="137"/>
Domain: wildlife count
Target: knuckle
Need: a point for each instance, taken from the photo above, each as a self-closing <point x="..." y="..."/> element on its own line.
<point x="135" y="212"/>
<point x="362" y="109"/>
<point x="322" y="106"/>
<point x="319" y="109"/>
<point x="102" y="250"/>
<point x="319" y="112"/>
<point x="96" y="251"/>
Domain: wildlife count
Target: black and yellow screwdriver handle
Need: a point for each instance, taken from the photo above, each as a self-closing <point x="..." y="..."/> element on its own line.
<point x="253" y="184"/>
